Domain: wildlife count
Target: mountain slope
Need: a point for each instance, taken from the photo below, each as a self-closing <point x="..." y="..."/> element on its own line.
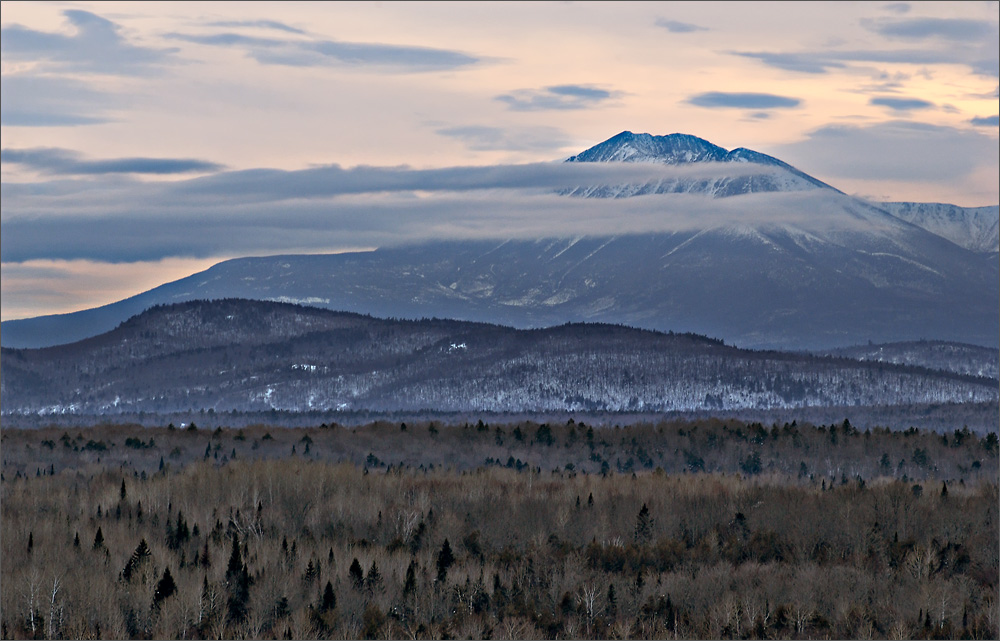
<point x="251" y="355"/>
<point x="974" y="228"/>
<point x="755" y="287"/>
<point x="952" y="357"/>
<point x="794" y="264"/>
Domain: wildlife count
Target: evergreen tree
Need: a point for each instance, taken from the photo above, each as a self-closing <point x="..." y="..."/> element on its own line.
<point x="139" y="556"/>
<point x="310" y="574"/>
<point x="410" y="583"/>
<point x="165" y="588"/>
<point x="357" y="574"/>
<point x="123" y="492"/>
<point x="181" y="531"/>
<point x="643" y="525"/>
<point x="329" y="598"/>
<point x="444" y="560"/>
<point x="238" y="584"/>
<point x="373" y="582"/>
<point x="98" y="539"/>
<point x="76" y="540"/>
<point x="31" y="541"/>
<point x="281" y="609"/>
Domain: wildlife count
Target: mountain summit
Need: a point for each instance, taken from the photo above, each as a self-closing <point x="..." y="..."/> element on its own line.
<point x="683" y="149"/>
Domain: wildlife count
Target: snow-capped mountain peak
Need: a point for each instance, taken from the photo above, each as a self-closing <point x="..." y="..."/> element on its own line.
<point x="673" y="149"/>
<point x="681" y="149"/>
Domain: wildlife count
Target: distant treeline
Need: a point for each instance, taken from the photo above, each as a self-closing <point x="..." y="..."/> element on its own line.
<point x="981" y="418"/>
<point x="808" y="454"/>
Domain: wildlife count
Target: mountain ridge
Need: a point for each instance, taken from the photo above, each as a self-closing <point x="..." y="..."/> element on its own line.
<point x="239" y="355"/>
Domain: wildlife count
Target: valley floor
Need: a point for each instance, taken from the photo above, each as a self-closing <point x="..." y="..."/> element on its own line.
<point x="693" y="529"/>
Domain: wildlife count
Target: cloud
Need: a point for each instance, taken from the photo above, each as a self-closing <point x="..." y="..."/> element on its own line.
<point x="258" y="24"/>
<point x="38" y="101"/>
<point x="980" y="54"/>
<point x="898" y="7"/>
<point x="131" y="227"/>
<point x="96" y="46"/>
<point x="557" y="97"/>
<point x="65" y="162"/>
<point x="271" y="185"/>
<point x="678" y="27"/>
<point x="318" y="52"/>
<point x="724" y="100"/>
<point x="901" y="104"/>
<point x="486" y="138"/>
<point x="986" y="121"/>
<point x="895" y="150"/>
<point x="954" y="29"/>
<point x="800" y="62"/>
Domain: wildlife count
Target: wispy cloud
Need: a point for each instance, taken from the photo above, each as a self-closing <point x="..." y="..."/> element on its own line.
<point x="673" y="26"/>
<point x="68" y="163"/>
<point x="953" y="29"/>
<point x="901" y="104"/>
<point x="726" y="100"/>
<point x="313" y="52"/>
<point x="41" y="101"/>
<point x="557" y="97"/>
<point x="898" y="7"/>
<point x="97" y="46"/>
<point x="972" y="43"/>
<point x="132" y="226"/>
<point x="986" y="121"/>
<point x="271" y="185"/>
<point x="256" y="24"/>
<point x="790" y="61"/>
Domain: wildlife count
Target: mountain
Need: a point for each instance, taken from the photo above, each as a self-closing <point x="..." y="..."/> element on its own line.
<point x="684" y="149"/>
<point x="789" y="263"/>
<point x="974" y="228"/>
<point x="252" y="355"/>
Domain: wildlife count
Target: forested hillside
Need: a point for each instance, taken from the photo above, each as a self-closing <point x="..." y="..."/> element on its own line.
<point x="253" y="356"/>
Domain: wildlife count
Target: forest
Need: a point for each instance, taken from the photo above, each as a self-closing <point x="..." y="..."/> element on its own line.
<point x="686" y="529"/>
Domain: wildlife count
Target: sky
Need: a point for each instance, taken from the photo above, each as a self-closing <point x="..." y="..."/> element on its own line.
<point x="143" y="142"/>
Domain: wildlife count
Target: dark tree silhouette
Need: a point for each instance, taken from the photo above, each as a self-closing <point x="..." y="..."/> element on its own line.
<point x="237" y="583"/>
<point x="139" y="556"/>
<point x="410" y="583"/>
<point x="357" y="574"/>
<point x="98" y="539"/>
<point x="329" y="601"/>
<point x="643" y="525"/>
<point x="444" y="560"/>
<point x="165" y="588"/>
